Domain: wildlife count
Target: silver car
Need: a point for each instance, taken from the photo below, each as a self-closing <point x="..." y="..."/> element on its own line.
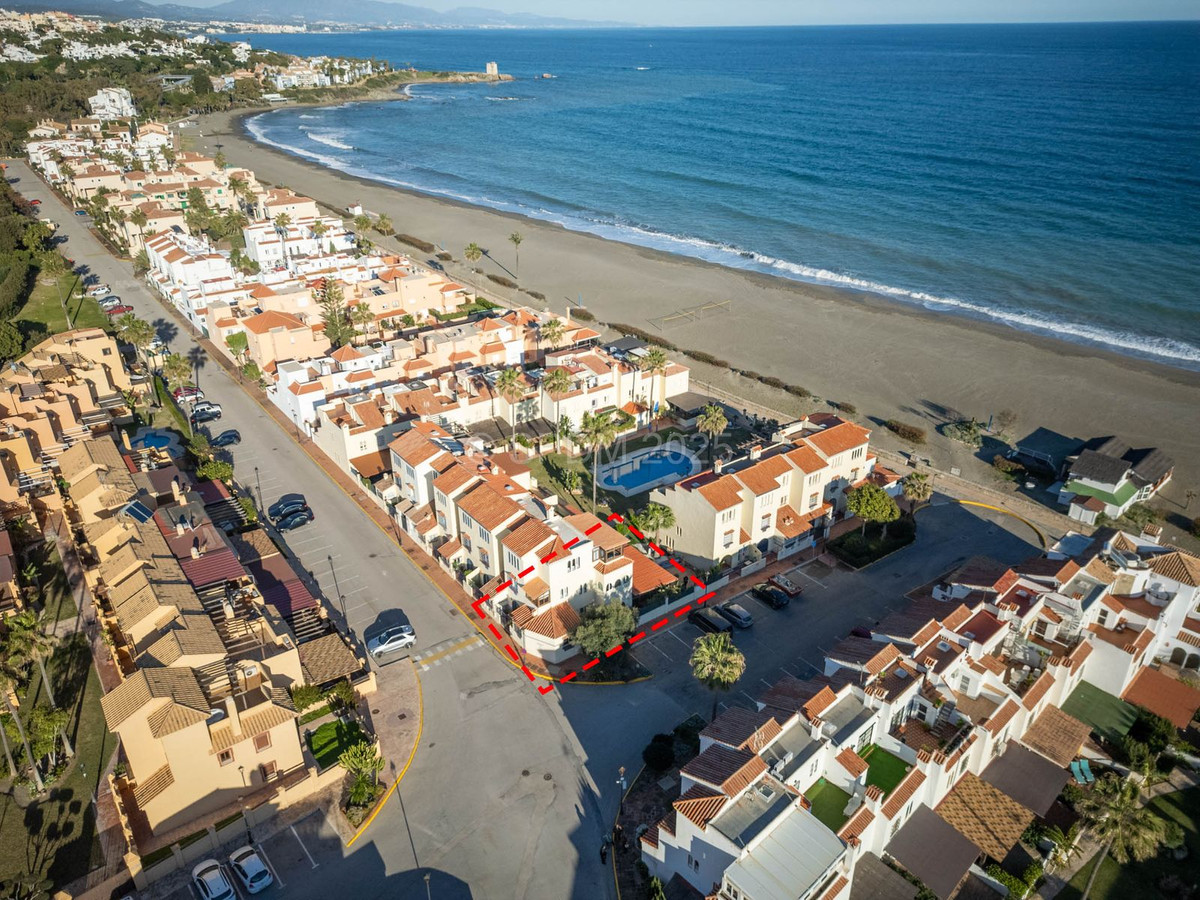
<point x="735" y="613"/>
<point x="211" y="883"/>
<point x="251" y="871"/>
<point x="398" y="637"/>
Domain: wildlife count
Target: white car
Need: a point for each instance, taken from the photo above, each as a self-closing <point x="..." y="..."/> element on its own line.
<point x="110" y="302"/>
<point x="98" y="290"/>
<point x="211" y="883"/>
<point x="157" y="345"/>
<point x="398" y="637"/>
<point x="251" y="871"/>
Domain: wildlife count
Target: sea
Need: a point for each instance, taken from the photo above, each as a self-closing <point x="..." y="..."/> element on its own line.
<point x="1046" y="177"/>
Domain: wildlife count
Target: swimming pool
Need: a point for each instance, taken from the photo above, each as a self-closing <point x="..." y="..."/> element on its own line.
<point x="154" y="439"/>
<point x="646" y="469"/>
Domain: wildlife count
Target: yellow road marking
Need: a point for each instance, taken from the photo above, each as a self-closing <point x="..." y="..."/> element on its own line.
<point x="442" y="654"/>
<point x="1007" y="512"/>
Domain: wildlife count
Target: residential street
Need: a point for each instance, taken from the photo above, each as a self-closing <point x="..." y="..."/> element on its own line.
<point x="510" y="792"/>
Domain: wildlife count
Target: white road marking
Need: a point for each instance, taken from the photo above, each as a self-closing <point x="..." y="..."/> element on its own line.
<point x="270" y="865"/>
<point x="296" y="835"/>
<point x="809" y="577"/>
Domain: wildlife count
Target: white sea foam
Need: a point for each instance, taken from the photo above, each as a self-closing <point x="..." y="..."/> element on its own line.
<point x="330" y="139"/>
<point x="1159" y="348"/>
<point x="307" y="116"/>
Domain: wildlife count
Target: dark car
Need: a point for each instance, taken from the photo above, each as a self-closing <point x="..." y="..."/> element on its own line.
<point x="735" y="613"/>
<point x="276" y="508"/>
<point x="771" y="595"/>
<point x="295" y="520"/>
<point x="226" y="438"/>
<point x="206" y="414"/>
<point x="283" y="509"/>
<point x="707" y="620"/>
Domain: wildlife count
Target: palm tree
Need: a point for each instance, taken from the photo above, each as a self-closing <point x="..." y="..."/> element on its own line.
<point x="136" y="331"/>
<point x="655" y="362"/>
<point x="596" y="431"/>
<point x="552" y="332"/>
<point x="473" y="252"/>
<point x="8" y="684"/>
<point x="656" y="518"/>
<point x="282" y="221"/>
<point x="511" y="386"/>
<point x="319" y="229"/>
<point x="917" y="489"/>
<point x="383" y="224"/>
<point x="52" y="265"/>
<point x="29" y="641"/>
<point x="1126" y="829"/>
<point x="713" y="423"/>
<point x="515" y="239"/>
<point x="362" y="224"/>
<point x="138" y="218"/>
<point x="361" y="316"/>
<point x="717" y="664"/>
<point x="1066" y="845"/>
<point x="556" y="383"/>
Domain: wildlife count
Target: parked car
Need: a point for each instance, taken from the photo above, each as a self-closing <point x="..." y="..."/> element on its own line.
<point x="35" y="202"/>
<point x="211" y="882"/>
<point x="98" y="290"/>
<point x="119" y="310"/>
<point x="156" y="345"/>
<point x="207" y="414"/>
<point x="284" y="508"/>
<point x="786" y="585"/>
<point x="295" y="520"/>
<point x="248" y="866"/>
<point x="398" y="637"/>
<point x="770" y="595"/>
<point x="187" y="392"/>
<point x="226" y="438"/>
<point x="109" y="302"/>
<point x="707" y="620"/>
<point x="199" y="404"/>
<point x="81" y="212"/>
<point x="735" y="613"/>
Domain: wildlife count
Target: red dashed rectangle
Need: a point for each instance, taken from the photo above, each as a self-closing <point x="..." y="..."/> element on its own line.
<point x="525" y="571"/>
<point x="546" y="559"/>
<point x="614" y="651"/>
<point x="659" y="624"/>
<point x="528" y="674"/>
<point x="512" y="652"/>
<point x="588" y="665"/>
<point x="546" y="688"/>
<point x="640" y="536"/>
<point x="637" y="637"/>
<point x="595" y="527"/>
<point x="495" y="631"/>
<point x="696" y="581"/>
<point x="503" y="586"/>
<point x="678" y="566"/>
<point x="707" y="596"/>
<point x="567" y="678"/>
<point x="571" y="543"/>
<point x="680" y="612"/>
<point x="657" y="549"/>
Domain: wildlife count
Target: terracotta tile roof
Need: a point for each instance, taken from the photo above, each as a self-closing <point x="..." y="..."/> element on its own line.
<point x="345" y="353"/>
<point x="555" y="622"/>
<point x="326" y="658"/>
<point x="1056" y="735"/>
<point x="1164" y="696"/>
<point x="902" y="793"/>
<point x="1079" y="655"/>
<point x="806" y="459"/>
<point x="742" y="729"/>
<point x="416" y="445"/>
<point x="959" y="617"/>
<point x="724" y="768"/>
<point x="992" y="664"/>
<point x="986" y="816"/>
<point x="520" y="615"/>
<point x="1186" y="637"/>
<point x="927" y="633"/>
<point x="838" y="439"/>
<point x="981" y="627"/>
<point x="821" y="701"/>
<point x="265" y="321"/>
<point x="856" y="824"/>
<point x="488" y="507"/>
<point x="448" y="549"/>
<point x="647" y="574"/>
<point x="149" y="788"/>
<point x="536" y="589"/>
<point x="526" y="536"/>
<point x="836" y="888"/>
<point x="605" y="537"/>
<point x="723" y="493"/>
<point x="1038" y="690"/>
<point x="1177" y="566"/>
<point x="852" y="762"/>
<point x="700" y="804"/>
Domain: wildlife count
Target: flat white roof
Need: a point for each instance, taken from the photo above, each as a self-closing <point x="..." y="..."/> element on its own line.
<point x="789" y="860"/>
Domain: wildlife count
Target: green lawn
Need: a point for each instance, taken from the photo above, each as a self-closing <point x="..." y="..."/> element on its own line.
<point x="828" y="801"/>
<point x="1109" y="716"/>
<point x="55" y="836"/>
<point x="1139" y="881"/>
<point x="44" y="307"/>
<point x="858" y="550"/>
<point x="886" y="769"/>
<point x="328" y="741"/>
<point x="551" y="468"/>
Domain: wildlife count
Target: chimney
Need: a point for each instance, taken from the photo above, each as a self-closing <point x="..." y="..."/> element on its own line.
<point x="232" y="713"/>
<point x="195" y="551"/>
<point x="718" y="466"/>
<point x="179" y="528"/>
<point x="756" y="451"/>
<point x="175" y="490"/>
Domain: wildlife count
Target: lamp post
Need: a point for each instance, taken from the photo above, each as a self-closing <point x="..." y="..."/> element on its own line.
<point x="621" y="796"/>
<point x="428" y="895"/>
<point x="258" y="484"/>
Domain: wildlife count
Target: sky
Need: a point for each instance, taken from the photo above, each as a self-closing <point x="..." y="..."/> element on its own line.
<point x="824" y="12"/>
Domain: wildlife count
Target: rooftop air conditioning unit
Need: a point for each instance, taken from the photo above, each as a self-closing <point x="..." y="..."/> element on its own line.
<point x="943" y="646"/>
<point x="901" y="672"/>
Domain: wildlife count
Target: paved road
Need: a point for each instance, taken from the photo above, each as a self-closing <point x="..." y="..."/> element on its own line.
<point x="510" y="792"/>
<point x="475" y="819"/>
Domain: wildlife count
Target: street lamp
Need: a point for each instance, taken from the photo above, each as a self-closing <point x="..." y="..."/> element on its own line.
<point x="258" y="483"/>
<point x="621" y="783"/>
<point x="428" y="895"/>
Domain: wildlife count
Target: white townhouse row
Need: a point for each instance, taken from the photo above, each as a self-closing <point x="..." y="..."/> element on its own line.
<point x="780" y="498"/>
<point x="964" y="688"/>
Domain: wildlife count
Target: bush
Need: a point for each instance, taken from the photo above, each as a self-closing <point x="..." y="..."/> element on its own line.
<point x="342" y="692"/>
<point x="906" y="431"/>
<point x="848" y="408"/>
<point x="701" y="356"/>
<point x="746" y="373"/>
<point x="796" y="391"/>
<point x="659" y="754"/>
<point x="772" y="381"/>
<point x="1141" y="515"/>
<point x="1196" y="527"/>
<point x="631" y="331"/>
<point x="502" y="280"/>
<point x="583" y="315"/>
<point x="305" y="695"/>
<point x="1072" y="794"/>
<point x="445" y="257"/>
<point x="1001" y="463"/>
<point x="424" y="246"/>
<point x="537" y="295"/>
<point x="965" y="431"/>
<point x="654" y="889"/>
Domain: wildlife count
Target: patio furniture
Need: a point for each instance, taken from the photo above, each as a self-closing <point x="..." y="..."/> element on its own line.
<point x="1077" y="772"/>
<point x="1087" y="771"/>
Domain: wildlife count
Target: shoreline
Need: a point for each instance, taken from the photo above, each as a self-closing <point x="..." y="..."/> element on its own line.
<point x="889" y="358"/>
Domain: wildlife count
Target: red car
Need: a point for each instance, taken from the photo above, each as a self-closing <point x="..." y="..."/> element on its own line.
<point x="35" y="202"/>
<point x="118" y="310"/>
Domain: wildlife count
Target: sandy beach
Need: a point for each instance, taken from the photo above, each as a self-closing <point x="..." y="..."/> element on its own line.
<point x="888" y="359"/>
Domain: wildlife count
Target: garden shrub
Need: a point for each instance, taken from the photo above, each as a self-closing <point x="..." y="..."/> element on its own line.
<point x="582" y="315"/>
<point x="965" y="431"/>
<point x="797" y="391"/>
<point x="1008" y="466"/>
<point x="904" y="430"/>
<point x="537" y="295"/>
<point x="421" y="245"/>
<point x="631" y="331"/>
<point x="501" y="280"/>
<point x="848" y="408"/>
<point x="701" y="356"/>
<point x="305" y="695"/>
<point x="659" y="754"/>
<point x="445" y="257"/>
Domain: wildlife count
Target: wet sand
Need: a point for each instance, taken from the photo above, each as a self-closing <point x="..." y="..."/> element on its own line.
<point x="890" y="360"/>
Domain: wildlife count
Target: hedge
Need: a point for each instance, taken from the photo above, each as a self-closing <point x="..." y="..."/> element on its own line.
<point x="424" y="246"/>
<point x="906" y="431"/>
<point x="579" y="312"/>
<point x="502" y="281"/>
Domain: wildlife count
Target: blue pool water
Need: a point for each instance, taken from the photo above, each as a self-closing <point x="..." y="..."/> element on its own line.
<point x="645" y="471"/>
<point x="155" y="440"/>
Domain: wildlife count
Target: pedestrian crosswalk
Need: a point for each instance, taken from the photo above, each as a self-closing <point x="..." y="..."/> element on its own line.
<point x="446" y="650"/>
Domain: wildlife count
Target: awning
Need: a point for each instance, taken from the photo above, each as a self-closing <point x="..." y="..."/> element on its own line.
<point x="1027" y="777"/>
<point x="932" y="849"/>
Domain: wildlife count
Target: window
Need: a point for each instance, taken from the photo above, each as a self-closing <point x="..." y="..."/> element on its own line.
<point x="964" y="682"/>
<point x="812" y="500"/>
<point x="262" y="741"/>
<point x="857" y="454"/>
<point x="441" y="517"/>
<point x="484" y="534"/>
<point x="225" y="757"/>
<point x="269" y="770"/>
<point x="573" y="563"/>
<point x="467" y="521"/>
<point x="766" y="522"/>
<point x="727" y="541"/>
<point x="864" y="738"/>
<point x="484" y="559"/>
<point x="466" y="542"/>
<point x="513" y="562"/>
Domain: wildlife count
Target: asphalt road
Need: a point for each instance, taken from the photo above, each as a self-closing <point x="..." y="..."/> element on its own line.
<point x="510" y="792"/>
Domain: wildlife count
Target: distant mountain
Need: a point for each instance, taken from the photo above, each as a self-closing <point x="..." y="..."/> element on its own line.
<point x="359" y="12"/>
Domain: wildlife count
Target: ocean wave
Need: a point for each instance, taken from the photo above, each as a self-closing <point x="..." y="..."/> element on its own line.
<point x="307" y="116"/>
<point x="502" y="99"/>
<point x="1157" y="348"/>
<point x="330" y="139"/>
